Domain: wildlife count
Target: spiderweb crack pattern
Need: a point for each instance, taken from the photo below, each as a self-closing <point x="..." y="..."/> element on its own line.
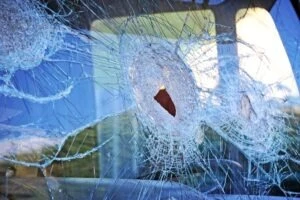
<point x="215" y="107"/>
<point x="242" y="110"/>
<point x="29" y="37"/>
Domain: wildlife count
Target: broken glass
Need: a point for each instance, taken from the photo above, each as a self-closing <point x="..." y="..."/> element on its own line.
<point x="145" y="100"/>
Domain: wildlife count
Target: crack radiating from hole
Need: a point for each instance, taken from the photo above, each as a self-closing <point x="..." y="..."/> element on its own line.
<point x="164" y="99"/>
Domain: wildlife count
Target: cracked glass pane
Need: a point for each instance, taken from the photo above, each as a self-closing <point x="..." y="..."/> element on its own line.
<point x="145" y="99"/>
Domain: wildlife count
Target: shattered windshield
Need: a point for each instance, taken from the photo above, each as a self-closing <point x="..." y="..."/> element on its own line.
<point x="145" y="99"/>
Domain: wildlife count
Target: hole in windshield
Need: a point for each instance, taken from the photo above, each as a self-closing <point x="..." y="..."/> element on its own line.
<point x="164" y="99"/>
